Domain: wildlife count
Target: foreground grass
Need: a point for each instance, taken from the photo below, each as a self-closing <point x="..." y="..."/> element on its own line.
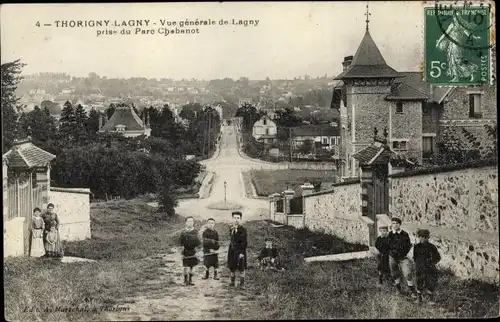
<point x="122" y="233"/>
<point x="267" y="182"/>
<point x="346" y="289"/>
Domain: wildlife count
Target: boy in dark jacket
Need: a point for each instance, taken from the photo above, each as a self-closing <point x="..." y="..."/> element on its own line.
<point x="237" y="252"/>
<point x="189" y="241"/>
<point x="426" y="256"/>
<point x="382" y="244"/>
<point x="268" y="256"/>
<point x="400" y="245"/>
<point x="210" y="247"/>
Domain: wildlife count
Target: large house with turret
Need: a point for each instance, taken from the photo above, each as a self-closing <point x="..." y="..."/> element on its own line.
<point x="125" y="121"/>
<point x="371" y="94"/>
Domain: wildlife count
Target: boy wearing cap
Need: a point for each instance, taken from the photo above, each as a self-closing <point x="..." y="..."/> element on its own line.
<point x="426" y="256"/>
<point x="400" y="245"/>
<point x="382" y="244"/>
<point x="237" y="253"/>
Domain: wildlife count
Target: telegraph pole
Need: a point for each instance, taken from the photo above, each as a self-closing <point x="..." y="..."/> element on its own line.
<point x="204" y="136"/>
<point x="290" y="139"/>
<point x="209" y="134"/>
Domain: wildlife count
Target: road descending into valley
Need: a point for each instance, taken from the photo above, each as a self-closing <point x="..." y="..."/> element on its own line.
<point x="228" y="164"/>
<point x="165" y="298"/>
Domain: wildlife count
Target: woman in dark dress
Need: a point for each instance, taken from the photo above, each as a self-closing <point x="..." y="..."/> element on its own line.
<point x="51" y="238"/>
<point x="189" y="240"/>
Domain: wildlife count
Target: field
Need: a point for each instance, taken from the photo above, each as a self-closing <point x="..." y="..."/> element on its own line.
<point x="122" y="233"/>
<point x="267" y="182"/>
<point x="332" y="290"/>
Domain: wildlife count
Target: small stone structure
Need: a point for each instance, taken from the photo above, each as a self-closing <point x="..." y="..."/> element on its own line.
<point x="26" y="185"/>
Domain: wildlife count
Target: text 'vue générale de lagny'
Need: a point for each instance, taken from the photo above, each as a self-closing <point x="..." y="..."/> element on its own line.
<point x="149" y="27"/>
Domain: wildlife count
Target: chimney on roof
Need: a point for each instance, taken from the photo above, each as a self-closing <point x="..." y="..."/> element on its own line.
<point x="347" y="62"/>
<point x="101" y="120"/>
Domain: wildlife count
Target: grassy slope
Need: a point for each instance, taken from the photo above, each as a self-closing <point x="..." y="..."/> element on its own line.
<point x="122" y="232"/>
<point x="347" y="290"/>
<point x="125" y="231"/>
<point x="271" y="181"/>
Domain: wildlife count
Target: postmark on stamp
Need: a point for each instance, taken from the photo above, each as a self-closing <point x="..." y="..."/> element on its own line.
<point x="457" y="43"/>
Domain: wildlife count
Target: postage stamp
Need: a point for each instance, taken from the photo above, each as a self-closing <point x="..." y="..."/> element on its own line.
<point x="457" y="43"/>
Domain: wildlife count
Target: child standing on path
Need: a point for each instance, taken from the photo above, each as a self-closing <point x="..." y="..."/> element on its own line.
<point x="382" y="244"/>
<point x="189" y="240"/>
<point x="426" y="256"/>
<point x="237" y="253"/>
<point x="210" y="245"/>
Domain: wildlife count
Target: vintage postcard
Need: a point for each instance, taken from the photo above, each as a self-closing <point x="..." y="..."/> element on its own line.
<point x="249" y="160"/>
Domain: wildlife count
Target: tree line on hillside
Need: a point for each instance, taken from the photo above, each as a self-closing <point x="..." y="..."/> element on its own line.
<point x="109" y="163"/>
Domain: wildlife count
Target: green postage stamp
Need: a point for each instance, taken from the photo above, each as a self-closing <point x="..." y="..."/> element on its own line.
<point x="458" y="40"/>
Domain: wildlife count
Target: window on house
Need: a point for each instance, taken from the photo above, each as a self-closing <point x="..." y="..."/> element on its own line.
<point x="264" y="121"/>
<point x="400" y="146"/>
<point x="324" y="140"/>
<point x="399" y="107"/>
<point x="267" y="131"/>
<point x="426" y="109"/>
<point x="427" y="147"/>
<point x="475" y="105"/>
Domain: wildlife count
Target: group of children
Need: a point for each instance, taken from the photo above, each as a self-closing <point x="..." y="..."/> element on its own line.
<point x="209" y="240"/>
<point x="394" y="247"/>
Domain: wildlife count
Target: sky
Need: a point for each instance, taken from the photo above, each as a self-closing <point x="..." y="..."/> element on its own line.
<point x="291" y="39"/>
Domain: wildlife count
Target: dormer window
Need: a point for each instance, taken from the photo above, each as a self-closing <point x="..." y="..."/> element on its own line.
<point x="120" y="128"/>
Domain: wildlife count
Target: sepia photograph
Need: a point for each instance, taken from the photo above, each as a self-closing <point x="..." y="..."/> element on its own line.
<point x="171" y="161"/>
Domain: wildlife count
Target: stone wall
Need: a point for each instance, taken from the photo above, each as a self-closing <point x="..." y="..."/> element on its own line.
<point x="408" y="126"/>
<point x="369" y="110"/>
<point x="460" y="208"/>
<point x="296" y="221"/>
<point x="462" y="199"/>
<point x="73" y="209"/>
<point x="337" y="212"/>
<point x="279" y="217"/>
<point x="13" y="237"/>
<point x="430" y="121"/>
<point x="456" y="106"/>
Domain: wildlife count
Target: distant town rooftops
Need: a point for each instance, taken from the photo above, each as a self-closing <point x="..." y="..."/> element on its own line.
<point x="315" y="130"/>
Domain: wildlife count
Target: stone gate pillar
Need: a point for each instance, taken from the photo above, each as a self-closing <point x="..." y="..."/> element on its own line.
<point x="307" y="189"/>
<point x="273" y="199"/>
<point x="287" y="196"/>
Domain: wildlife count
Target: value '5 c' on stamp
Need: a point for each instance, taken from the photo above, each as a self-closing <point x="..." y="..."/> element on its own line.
<point x="457" y="44"/>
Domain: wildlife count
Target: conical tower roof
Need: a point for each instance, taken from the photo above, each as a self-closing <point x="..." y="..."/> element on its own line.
<point x="368" y="62"/>
<point x="124" y="115"/>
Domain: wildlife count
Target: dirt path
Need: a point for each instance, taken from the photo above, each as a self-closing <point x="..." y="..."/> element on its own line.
<point x="207" y="299"/>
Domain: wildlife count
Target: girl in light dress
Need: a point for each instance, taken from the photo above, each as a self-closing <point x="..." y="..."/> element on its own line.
<point x="37" y="228"/>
